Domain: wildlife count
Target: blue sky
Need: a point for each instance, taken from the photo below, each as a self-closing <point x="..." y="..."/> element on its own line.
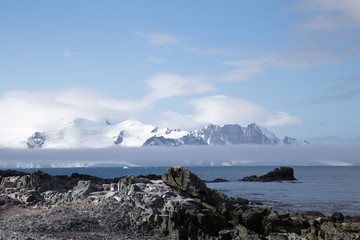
<point x="291" y="66"/>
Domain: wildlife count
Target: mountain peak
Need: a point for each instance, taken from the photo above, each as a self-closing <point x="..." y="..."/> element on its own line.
<point x="133" y="133"/>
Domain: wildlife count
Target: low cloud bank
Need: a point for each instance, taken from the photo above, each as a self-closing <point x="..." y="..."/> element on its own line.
<point x="319" y="155"/>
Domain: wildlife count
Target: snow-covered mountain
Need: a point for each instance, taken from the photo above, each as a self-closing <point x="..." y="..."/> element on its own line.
<point x="235" y="134"/>
<point x="83" y="133"/>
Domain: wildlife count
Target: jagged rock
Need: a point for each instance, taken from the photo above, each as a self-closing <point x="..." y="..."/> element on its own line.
<point x="183" y="179"/>
<point x="161" y="141"/>
<point x="41" y="181"/>
<point x="119" y="138"/>
<point x="37" y="140"/>
<point x="335" y="217"/>
<point x="9" y="172"/>
<point x="183" y="209"/>
<point x="15" y="182"/>
<point x="282" y="174"/>
<point x="6" y="200"/>
<point x="83" y="189"/>
<point x="150" y="177"/>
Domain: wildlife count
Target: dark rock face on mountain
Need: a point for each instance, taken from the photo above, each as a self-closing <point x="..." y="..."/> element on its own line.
<point x="282" y="174"/>
<point x="235" y="134"/>
<point x="185" y="140"/>
<point x="119" y="138"/>
<point x="293" y="141"/>
<point x="37" y="140"/>
<point x="180" y="206"/>
<point x="254" y="135"/>
<point x="161" y="141"/>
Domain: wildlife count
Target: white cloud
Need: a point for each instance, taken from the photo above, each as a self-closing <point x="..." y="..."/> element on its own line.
<point x="22" y="109"/>
<point x="165" y="85"/>
<point x="68" y="53"/>
<point x="159" y="38"/>
<point x="223" y="110"/>
<point x="23" y="112"/>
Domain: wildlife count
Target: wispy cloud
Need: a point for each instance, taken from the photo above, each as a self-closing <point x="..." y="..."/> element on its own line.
<point x="244" y="70"/>
<point x="165" y="85"/>
<point x="159" y="38"/>
<point x="68" y="53"/>
<point x="156" y="60"/>
<point x="327" y="15"/>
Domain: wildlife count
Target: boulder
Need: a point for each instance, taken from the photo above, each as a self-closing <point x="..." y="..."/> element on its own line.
<point x="15" y="182"/>
<point x="41" y="182"/>
<point x="182" y="179"/>
<point x="282" y="174"/>
<point x="83" y="189"/>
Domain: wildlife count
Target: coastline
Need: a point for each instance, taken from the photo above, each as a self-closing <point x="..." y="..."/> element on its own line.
<point x="39" y="207"/>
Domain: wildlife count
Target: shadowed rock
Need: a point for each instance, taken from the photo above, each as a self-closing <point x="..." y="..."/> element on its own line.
<point x="183" y="179"/>
<point x="282" y="174"/>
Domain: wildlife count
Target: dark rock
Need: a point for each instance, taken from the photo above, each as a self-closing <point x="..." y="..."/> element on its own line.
<point x="6" y="200"/>
<point x="41" y="181"/>
<point x="120" y="137"/>
<point x="150" y="176"/>
<point x="335" y="217"/>
<point x="83" y="189"/>
<point x="282" y="174"/>
<point x="312" y="215"/>
<point x="9" y="172"/>
<point x="37" y="140"/>
<point x="69" y="182"/>
<point x="183" y="208"/>
<point x="15" y="182"/>
<point x="182" y="179"/>
<point x="161" y="141"/>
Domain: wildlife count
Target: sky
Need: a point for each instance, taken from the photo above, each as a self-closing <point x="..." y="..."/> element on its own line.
<point x="291" y="66"/>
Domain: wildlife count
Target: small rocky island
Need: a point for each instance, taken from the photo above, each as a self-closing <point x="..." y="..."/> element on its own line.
<point x="282" y="174"/>
<point x="177" y="206"/>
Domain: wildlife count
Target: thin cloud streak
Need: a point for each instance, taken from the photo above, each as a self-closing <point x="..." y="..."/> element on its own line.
<point x="68" y="53"/>
<point x="159" y="38"/>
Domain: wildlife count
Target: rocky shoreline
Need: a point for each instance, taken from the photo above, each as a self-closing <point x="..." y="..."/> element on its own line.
<point x="177" y="206"/>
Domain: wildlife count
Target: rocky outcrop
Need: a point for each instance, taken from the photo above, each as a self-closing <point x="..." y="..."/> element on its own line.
<point x="180" y="206"/>
<point x="282" y="174"/>
<point x="235" y="134"/>
<point x="185" y="140"/>
<point x="37" y="140"/>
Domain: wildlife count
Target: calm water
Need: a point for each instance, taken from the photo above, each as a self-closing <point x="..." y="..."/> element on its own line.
<point x="324" y="189"/>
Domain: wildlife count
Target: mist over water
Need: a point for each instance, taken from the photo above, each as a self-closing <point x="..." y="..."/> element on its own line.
<point x="235" y="155"/>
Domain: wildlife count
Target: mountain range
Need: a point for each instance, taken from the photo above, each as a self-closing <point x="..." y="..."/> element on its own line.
<point x="83" y="133"/>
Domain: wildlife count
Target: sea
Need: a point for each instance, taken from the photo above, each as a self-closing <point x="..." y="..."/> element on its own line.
<point x="326" y="189"/>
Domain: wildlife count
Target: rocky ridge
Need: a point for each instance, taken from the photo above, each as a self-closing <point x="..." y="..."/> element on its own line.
<point x="180" y="206"/>
<point x="279" y="174"/>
